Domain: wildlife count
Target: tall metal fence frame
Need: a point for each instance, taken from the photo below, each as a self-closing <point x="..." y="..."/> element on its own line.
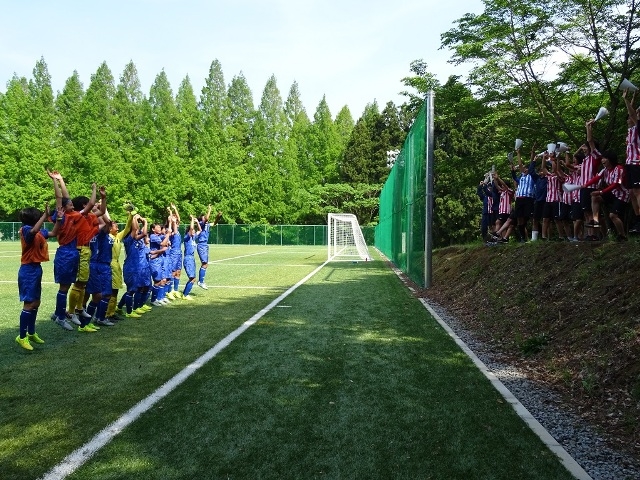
<point x="404" y="231"/>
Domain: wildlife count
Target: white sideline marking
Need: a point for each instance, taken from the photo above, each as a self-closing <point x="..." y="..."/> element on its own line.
<point x="552" y="444"/>
<point x="567" y="460"/>
<point x="78" y="457"/>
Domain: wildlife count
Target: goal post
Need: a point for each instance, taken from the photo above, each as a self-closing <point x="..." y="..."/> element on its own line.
<point x="345" y="238"/>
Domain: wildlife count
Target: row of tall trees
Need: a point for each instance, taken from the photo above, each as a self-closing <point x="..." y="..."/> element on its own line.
<point x="270" y="163"/>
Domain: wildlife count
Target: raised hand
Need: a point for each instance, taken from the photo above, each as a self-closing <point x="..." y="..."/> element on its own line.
<point x="54" y="174"/>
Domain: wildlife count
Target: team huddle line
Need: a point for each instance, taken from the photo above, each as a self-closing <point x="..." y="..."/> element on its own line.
<point x="87" y="266"/>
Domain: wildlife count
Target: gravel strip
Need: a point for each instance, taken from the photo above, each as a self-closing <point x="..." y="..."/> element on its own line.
<point x="579" y="439"/>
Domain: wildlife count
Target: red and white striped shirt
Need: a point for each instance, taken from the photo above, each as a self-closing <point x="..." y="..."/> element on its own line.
<point x="574" y="178"/>
<point x="506" y="197"/>
<point x="613" y="178"/>
<point x="553" y="188"/>
<point x="633" y="145"/>
<point x="589" y="166"/>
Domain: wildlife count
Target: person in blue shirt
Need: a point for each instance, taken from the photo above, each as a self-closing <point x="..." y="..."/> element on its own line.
<point x="189" y="256"/>
<point x="202" y="241"/>
<point x="99" y="285"/>
<point x="158" y="246"/>
<point x="525" y="193"/>
<point x="174" y="254"/>
<point x="132" y="268"/>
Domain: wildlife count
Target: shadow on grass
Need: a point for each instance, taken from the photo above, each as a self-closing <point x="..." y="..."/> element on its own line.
<point x="350" y="379"/>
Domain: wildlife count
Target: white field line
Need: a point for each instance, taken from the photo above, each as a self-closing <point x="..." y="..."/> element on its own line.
<point x="258" y="264"/>
<point x="552" y="444"/>
<point x="77" y="458"/>
<point x="239" y="256"/>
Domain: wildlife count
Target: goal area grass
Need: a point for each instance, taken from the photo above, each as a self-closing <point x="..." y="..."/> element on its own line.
<point x="344" y="376"/>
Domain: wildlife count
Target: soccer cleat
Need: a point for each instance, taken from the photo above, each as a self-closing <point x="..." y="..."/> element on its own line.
<point x="87" y="329"/>
<point x="165" y="301"/>
<point x="146" y="308"/>
<point x="203" y="285"/>
<point x="115" y="318"/>
<point x="119" y="311"/>
<point x="187" y="297"/>
<point x="105" y="322"/>
<point x="157" y="303"/>
<point x="24" y="343"/>
<point x="141" y="311"/>
<point x="33" y="337"/>
<point x="74" y="319"/>
<point x="132" y="315"/>
<point x="83" y="313"/>
<point x="62" y="322"/>
<point x="171" y="295"/>
<point x="177" y="295"/>
<point x="93" y="325"/>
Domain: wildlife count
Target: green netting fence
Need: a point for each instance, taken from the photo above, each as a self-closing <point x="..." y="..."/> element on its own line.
<point x="401" y="231"/>
<point x="239" y="234"/>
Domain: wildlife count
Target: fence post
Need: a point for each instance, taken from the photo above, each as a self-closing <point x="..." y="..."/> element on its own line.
<point x="428" y="226"/>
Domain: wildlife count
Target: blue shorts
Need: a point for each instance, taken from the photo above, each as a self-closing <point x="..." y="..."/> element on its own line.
<point x="30" y="282"/>
<point x="65" y="265"/>
<point x="190" y="266"/>
<point x="203" y="252"/>
<point x="131" y="279"/>
<point x="166" y="267"/>
<point x="157" y="269"/>
<point x="175" y="260"/>
<point x="99" y="279"/>
<point x="144" y="276"/>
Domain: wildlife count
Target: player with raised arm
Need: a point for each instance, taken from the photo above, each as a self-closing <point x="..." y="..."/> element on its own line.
<point x="202" y="241"/>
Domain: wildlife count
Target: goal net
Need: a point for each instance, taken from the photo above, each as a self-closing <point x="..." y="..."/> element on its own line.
<point x="346" y="241"/>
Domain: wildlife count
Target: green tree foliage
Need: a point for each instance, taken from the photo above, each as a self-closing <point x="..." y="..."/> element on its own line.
<point x="365" y="158"/>
<point x="160" y="162"/>
<point x="68" y="106"/>
<point x="511" y="44"/>
<point x="187" y="147"/>
<point x="259" y="165"/>
<point x="27" y="142"/>
<point x="99" y="159"/>
<point x="324" y="146"/>
<point x="129" y="130"/>
<point x="272" y="169"/>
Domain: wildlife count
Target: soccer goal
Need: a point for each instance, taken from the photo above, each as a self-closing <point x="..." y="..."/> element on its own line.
<point x="346" y="241"/>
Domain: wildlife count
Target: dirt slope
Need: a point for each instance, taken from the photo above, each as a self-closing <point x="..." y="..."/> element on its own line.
<point x="567" y="313"/>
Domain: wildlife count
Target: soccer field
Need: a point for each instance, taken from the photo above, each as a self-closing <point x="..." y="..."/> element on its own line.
<point x="344" y="376"/>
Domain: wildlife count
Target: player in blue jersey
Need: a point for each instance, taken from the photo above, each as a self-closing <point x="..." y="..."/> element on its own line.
<point x="175" y="253"/>
<point x="202" y="241"/>
<point x="189" y="256"/>
<point x="99" y="285"/>
<point x="131" y="270"/>
<point x="158" y="246"/>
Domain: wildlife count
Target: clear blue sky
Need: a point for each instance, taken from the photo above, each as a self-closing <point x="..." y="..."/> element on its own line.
<point x="351" y="51"/>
